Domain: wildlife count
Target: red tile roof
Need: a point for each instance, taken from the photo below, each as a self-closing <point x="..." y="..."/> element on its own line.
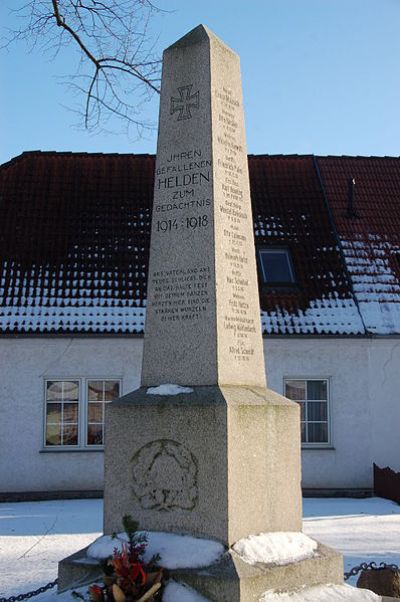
<point x="289" y="210"/>
<point x="370" y="235"/>
<point x="74" y="242"/>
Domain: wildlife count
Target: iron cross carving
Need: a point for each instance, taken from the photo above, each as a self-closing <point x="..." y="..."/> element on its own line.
<point x="185" y="102"/>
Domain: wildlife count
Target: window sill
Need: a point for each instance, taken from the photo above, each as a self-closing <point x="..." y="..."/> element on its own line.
<point x="60" y="450"/>
<point x="318" y="447"/>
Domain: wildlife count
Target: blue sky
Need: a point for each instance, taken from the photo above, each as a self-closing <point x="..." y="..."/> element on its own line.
<point x="319" y="76"/>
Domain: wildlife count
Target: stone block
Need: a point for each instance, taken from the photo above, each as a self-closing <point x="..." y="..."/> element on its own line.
<point x="221" y="462"/>
<point x="382" y="581"/>
<point x="230" y="579"/>
<point x="77" y="570"/>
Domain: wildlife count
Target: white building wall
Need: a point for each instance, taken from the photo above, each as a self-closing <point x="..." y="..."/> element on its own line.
<point x="25" y="363"/>
<point x="384" y="387"/>
<point x="364" y="377"/>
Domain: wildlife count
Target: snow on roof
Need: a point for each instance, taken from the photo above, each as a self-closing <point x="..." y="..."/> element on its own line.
<point x="290" y="211"/>
<point x="369" y="233"/>
<point x="74" y="243"/>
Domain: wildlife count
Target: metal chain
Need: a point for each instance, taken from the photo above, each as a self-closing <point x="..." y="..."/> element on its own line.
<point x="372" y="566"/>
<point x="36" y="592"/>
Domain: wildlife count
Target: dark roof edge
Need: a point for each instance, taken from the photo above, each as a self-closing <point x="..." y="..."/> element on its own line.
<point x="54" y="153"/>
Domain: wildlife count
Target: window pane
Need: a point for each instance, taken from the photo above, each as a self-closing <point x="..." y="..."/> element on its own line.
<point x="276" y="266"/>
<point x="100" y="392"/>
<point x="70" y="390"/>
<point x="95" y="390"/>
<point x="53" y="411"/>
<point x="316" y="389"/>
<point x="53" y="434"/>
<point x="95" y="412"/>
<point x="70" y="434"/>
<point x="54" y="390"/>
<point x="62" y="412"/>
<point x="111" y="390"/>
<point x="295" y="389"/>
<point x="70" y="412"/>
<point x="95" y="434"/>
<point x="312" y="396"/>
<point x="317" y="410"/>
<point x="317" y="432"/>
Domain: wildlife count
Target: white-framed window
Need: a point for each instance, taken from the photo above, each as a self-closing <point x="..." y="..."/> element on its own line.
<point x="312" y="394"/>
<point x="74" y="411"/>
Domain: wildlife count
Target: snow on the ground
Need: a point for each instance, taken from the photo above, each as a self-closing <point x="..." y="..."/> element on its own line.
<point x="362" y="529"/>
<point x="177" y="592"/>
<point x="34" y="536"/>
<point x="176" y="551"/>
<point x="318" y="593"/>
<point x="168" y="389"/>
<point x="173" y="592"/>
<point x="278" y="548"/>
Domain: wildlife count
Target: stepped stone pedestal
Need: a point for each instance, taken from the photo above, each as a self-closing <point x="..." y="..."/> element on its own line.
<point x="222" y="459"/>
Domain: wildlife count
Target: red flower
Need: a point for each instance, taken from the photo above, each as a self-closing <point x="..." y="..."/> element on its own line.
<point x="136" y="572"/>
<point x="128" y="568"/>
<point x="95" y="593"/>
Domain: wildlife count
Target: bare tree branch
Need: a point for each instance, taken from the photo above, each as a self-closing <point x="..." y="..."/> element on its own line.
<point x="116" y="48"/>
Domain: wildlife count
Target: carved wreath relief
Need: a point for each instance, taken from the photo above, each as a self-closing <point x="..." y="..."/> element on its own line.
<point x="185" y="103"/>
<point x="165" y="476"/>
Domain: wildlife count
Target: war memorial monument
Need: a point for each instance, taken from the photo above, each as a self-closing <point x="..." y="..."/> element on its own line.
<point x="220" y="458"/>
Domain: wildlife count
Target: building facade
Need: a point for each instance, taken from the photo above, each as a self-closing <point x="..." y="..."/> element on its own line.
<point x="74" y="247"/>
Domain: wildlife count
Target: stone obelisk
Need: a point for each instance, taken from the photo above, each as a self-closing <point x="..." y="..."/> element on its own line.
<point x="224" y="460"/>
<point x="203" y="325"/>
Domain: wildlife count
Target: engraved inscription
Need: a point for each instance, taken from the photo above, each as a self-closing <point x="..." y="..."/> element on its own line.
<point x="185" y="102"/>
<point x="182" y="209"/>
<point x="180" y="180"/>
<point x="238" y="320"/>
<point x="181" y="294"/>
<point x="165" y="476"/>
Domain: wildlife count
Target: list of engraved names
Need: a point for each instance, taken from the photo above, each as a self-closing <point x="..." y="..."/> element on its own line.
<point x="237" y="318"/>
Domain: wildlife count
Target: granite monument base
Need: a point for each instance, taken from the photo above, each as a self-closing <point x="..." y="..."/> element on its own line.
<point x="230" y="579"/>
<point x="219" y="462"/>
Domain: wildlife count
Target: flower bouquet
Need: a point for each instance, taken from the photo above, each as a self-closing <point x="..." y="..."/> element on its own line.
<point x="126" y="577"/>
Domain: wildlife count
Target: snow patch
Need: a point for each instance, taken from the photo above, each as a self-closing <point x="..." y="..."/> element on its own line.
<point x="276" y="548"/>
<point x="362" y="529"/>
<point x="323" y="316"/>
<point x="322" y="593"/>
<point x="177" y="592"/>
<point x="176" y="551"/>
<point x="168" y="389"/>
<point x="370" y="262"/>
